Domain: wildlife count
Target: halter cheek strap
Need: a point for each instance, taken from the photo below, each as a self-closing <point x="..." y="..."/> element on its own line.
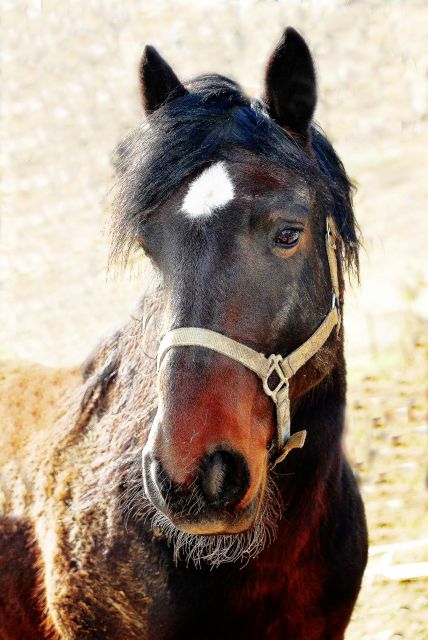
<point x="265" y="367"/>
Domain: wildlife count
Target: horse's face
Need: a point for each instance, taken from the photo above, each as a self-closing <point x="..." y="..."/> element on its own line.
<point x="240" y="249"/>
<point x="239" y="242"/>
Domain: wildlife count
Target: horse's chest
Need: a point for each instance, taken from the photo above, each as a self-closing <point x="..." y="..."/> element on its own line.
<point x="216" y="604"/>
<point x="255" y="602"/>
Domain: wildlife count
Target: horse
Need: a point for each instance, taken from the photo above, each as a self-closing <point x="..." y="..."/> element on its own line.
<point x="204" y="493"/>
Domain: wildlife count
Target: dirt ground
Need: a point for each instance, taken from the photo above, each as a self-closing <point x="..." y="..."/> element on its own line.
<point x="69" y="94"/>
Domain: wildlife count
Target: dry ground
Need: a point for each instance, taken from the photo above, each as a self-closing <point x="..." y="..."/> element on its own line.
<point x="69" y="94"/>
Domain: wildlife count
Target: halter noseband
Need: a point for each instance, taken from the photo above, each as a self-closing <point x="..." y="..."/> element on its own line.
<point x="265" y="367"/>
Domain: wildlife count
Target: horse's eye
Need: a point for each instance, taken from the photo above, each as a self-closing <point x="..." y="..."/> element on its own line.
<point x="287" y="238"/>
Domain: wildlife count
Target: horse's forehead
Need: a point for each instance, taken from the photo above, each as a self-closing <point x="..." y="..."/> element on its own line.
<point x="210" y="190"/>
<point x="216" y="186"/>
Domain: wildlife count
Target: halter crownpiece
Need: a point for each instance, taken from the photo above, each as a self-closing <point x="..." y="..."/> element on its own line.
<point x="265" y="367"/>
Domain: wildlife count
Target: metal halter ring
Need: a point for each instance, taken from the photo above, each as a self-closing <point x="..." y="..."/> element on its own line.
<point x="275" y="367"/>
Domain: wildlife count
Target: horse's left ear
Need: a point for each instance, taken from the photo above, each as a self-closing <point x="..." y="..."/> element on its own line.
<point x="157" y="80"/>
<point x="290" y="84"/>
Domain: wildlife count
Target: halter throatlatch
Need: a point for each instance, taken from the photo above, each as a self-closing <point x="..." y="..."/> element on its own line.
<point x="265" y="367"/>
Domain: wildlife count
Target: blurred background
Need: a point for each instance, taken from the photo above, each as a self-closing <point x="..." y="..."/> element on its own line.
<point x="70" y="92"/>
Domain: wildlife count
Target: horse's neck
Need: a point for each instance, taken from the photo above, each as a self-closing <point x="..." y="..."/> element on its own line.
<point x="307" y="473"/>
<point x="321" y="410"/>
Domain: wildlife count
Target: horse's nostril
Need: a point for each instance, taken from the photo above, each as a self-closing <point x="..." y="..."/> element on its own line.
<point x="225" y="478"/>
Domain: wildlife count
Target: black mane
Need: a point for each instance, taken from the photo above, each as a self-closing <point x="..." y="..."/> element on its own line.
<point x="208" y="124"/>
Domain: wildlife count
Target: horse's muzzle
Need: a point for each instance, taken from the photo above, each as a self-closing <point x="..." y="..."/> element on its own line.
<point x="213" y="502"/>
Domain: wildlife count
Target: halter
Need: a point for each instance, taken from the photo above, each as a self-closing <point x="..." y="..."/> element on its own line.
<point x="265" y="367"/>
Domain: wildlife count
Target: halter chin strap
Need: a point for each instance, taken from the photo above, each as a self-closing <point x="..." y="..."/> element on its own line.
<point x="265" y="367"/>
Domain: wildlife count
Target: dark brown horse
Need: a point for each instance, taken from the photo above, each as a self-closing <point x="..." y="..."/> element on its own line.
<point x="161" y="506"/>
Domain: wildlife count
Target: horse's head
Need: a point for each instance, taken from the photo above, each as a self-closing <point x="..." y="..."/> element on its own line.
<point x="229" y="198"/>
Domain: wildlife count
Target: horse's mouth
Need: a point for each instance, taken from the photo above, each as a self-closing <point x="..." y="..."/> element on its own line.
<point x="189" y="516"/>
<point x="214" y="522"/>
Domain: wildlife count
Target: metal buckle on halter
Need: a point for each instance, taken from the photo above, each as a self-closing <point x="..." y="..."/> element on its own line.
<point x="336" y="304"/>
<point x="274" y="366"/>
<point x="330" y="237"/>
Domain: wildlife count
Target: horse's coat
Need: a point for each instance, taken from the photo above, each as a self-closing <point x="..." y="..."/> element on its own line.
<point x="151" y="509"/>
<point x="209" y="191"/>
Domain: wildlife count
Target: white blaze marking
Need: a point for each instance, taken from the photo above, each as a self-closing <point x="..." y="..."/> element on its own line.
<point x="211" y="190"/>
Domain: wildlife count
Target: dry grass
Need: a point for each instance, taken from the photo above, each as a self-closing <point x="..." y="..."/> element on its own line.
<point x="388" y="442"/>
<point x="69" y="93"/>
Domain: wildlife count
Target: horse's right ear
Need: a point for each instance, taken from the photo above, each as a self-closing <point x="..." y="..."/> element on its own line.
<point x="158" y="81"/>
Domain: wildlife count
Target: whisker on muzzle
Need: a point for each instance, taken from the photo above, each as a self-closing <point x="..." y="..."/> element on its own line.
<point x="217" y="549"/>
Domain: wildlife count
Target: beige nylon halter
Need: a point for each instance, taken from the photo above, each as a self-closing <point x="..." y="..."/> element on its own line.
<point x="263" y="366"/>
